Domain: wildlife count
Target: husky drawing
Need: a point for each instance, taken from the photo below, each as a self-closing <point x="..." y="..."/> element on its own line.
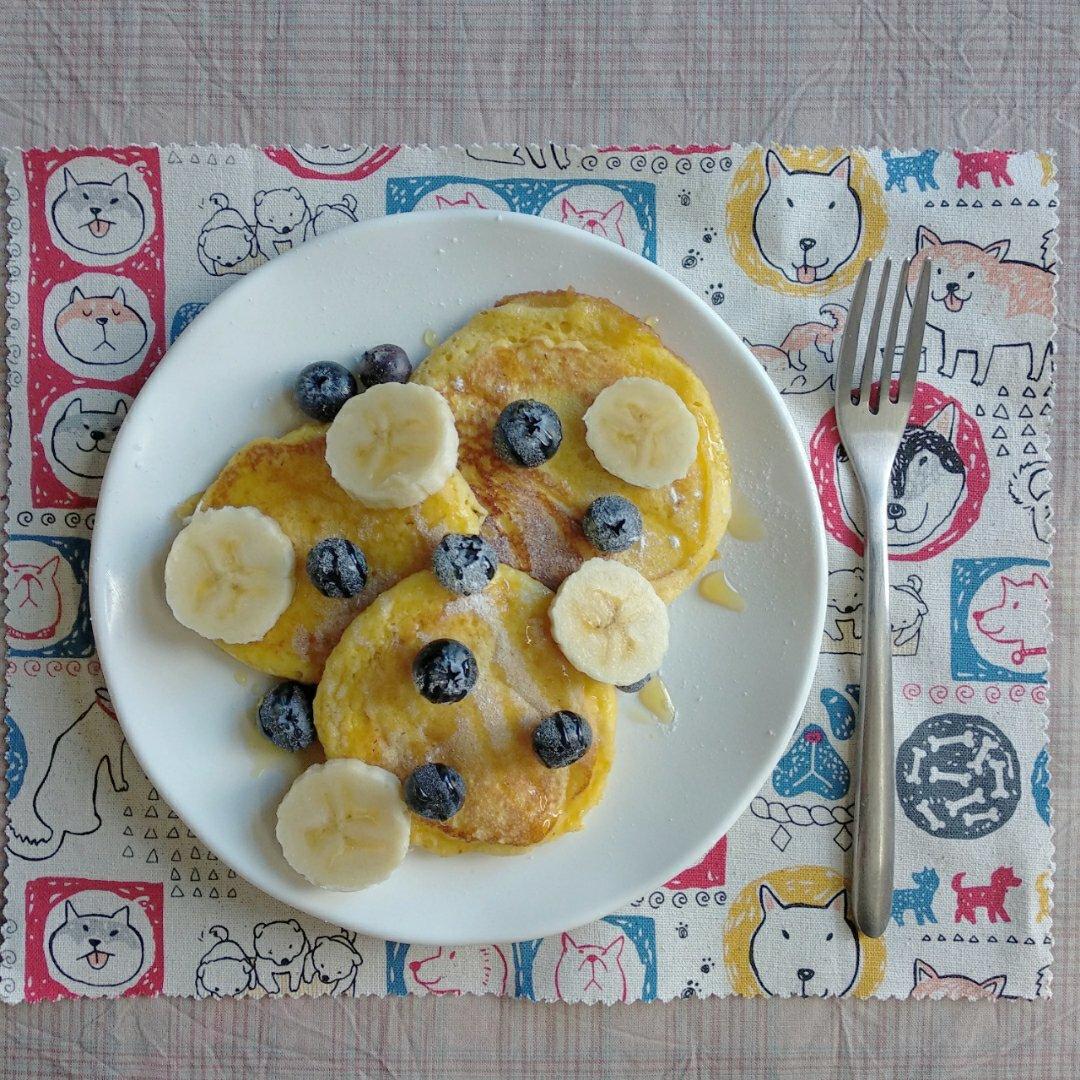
<point x="83" y="438"/>
<point x="99" y="217"/>
<point x="803" y="950"/>
<point x="65" y="801"/>
<point x="807" y="224"/>
<point x="928" y="482"/>
<point x="980" y="302"/>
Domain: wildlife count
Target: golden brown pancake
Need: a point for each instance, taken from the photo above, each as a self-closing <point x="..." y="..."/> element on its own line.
<point x="368" y="707"/>
<point x="563" y="348"/>
<point x="288" y="479"/>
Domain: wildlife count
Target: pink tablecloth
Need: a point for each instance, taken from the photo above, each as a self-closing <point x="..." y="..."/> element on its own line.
<point x="971" y="75"/>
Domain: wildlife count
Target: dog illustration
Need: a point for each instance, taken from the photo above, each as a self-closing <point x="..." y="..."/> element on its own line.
<point x="603" y="223"/>
<point x="83" y="438"/>
<point x="995" y="163"/>
<point x="225" y="970"/>
<point x="335" y="962"/>
<point x="969" y="898"/>
<point x="929" y="984"/>
<point x="100" y="329"/>
<point x="452" y="972"/>
<point x="328" y="158"/>
<point x="97" y="949"/>
<point x="1029" y="488"/>
<point x="227" y="243"/>
<point x="281" y="948"/>
<point x="65" y="801"/>
<point x="804" y="950"/>
<point x="99" y="217"/>
<point x="541" y="157"/>
<point x="282" y="218"/>
<point x="807" y="352"/>
<point x="470" y="199"/>
<point x="1018" y="617"/>
<point x="35" y="604"/>
<point x="807" y="224"/>
<point x="919" y="900"/>
<point x="591" y="972"/>
<point x="327" y="217"/>
<point x="917" y="167"/>
<point x="981" y="301"/>
<point x="928" y="482"/>
<point x="907" y="609"/>
<point x="845" y="603"/>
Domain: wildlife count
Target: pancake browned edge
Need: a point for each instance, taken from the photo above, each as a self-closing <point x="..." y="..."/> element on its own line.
<point x="563" y="348"/>
<point x="368" y="707"/>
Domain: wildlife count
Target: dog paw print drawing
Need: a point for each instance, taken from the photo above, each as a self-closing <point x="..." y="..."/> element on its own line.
<point x="803" y="221"/>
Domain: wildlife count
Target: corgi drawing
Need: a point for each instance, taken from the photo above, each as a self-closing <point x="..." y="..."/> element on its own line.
<point x="981" y="301"/>
<point x="65" y="801"/>
<point x="100" y="329"/>
<point x="802" y="950"/>
<point x="807" y="224"/>
<point x="807" y="354"/>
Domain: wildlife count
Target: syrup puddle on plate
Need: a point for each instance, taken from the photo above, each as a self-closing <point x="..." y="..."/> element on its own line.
<point x="655" y="697"/>
<point x="431" y="339"/>
<point x="744" y="524"/>
<point x="716" y="588"/>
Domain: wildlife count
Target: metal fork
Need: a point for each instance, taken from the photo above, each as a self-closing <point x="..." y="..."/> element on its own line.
<point x="871" y="422"/>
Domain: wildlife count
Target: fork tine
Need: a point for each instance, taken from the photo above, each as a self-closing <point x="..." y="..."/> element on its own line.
<point x="845" y="367"/>
<point x="909" y="368"/>
<point x="894" y="326"/>
<point x="870" y="352"/>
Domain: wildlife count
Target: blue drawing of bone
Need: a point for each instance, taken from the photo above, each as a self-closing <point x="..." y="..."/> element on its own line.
<point x="917" y="167"/>
<point x="623" y="211"/>
<point x="812" y="766"/>
<point x="1040" y="784"/>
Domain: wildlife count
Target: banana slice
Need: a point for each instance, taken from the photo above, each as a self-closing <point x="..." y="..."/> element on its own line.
<point x="393" y="445"/>
<point x="609" y="622"/>
<point x="229" y="574"/>
<point x="641" y="431"/>
<point x="343" y="825"/>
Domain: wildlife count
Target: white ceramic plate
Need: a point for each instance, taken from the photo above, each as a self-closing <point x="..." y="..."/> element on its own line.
<point x="739" y="680"/>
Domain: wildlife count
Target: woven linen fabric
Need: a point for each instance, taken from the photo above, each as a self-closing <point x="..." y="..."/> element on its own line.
<point x="773" y="240"/>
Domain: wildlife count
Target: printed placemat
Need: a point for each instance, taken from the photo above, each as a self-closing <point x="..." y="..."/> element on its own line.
<point x="114" y="251"/>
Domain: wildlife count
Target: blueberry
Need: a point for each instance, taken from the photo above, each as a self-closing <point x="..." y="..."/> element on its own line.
<point x="383" y="364"/>
<point x="285" y="715"/>
<point x="612" y="523"/>
<point x="561" y="739"/>
<point x="463" y="563"/>
<point x="321" y="390"/>
<point x="527" y="433"/>
<point x="337" y="567"/>
<point x="634" y="687"/>
<point x="444" y="671"/>
<point x="434" y="791"/>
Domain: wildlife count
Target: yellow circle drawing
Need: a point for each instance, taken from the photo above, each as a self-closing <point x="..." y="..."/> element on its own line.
<point x="813" y="886"/>
<point x="770" y="250"/>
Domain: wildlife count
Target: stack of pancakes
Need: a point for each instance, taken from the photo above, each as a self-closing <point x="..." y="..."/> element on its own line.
<point x="561" y="348"/>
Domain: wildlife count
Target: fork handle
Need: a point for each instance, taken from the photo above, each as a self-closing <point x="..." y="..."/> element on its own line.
<point x="875" y="771"/>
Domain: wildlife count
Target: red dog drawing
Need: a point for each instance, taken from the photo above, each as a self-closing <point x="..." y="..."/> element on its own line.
<point x="995" y="163"/>
<point x="992" y="897"/>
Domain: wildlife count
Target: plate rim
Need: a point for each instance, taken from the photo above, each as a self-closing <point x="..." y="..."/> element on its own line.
<point x="110" y="663"/>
